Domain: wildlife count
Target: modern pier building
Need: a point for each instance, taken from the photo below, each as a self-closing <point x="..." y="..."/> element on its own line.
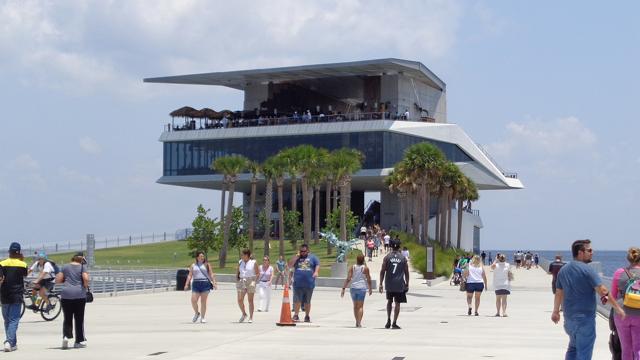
<point x="379" y="107"/>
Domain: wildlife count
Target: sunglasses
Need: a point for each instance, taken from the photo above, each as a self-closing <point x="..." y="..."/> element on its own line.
<point x="588" y="250"/>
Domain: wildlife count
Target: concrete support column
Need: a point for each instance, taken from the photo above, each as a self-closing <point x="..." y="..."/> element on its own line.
<point x="389" y="210"/>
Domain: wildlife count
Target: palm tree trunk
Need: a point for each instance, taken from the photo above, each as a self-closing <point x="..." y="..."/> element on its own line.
<point x="335" y="198"/>
<point x="343" y="210"/>
<point x="401" y="199"/>
<point x="437" y="232"/>
<point x="294" y="193"/>
<point x="424" y="216"/>
<point x="327" y="202"/>
<point x="443" y="221"/>
<point x="449" y="219"/>
<point x="252" y="212"/>
<point x="316" y="235"/>
<point x="223" y="204"/>
<point x="459" y="234"/>
<point x="227" y="223"/>
<point x="306" y="217"/>
<point x="427" y="205"/>
<point x="279" y="184"/>
<point x="268" y="204"/>
<point x="415" y="216"/>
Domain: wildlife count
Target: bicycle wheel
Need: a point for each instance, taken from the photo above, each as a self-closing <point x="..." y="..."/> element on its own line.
<point x="54" y="310"/>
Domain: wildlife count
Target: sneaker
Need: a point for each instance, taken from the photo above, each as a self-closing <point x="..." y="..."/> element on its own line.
<point x="307" y="319"/>
<point x="7" y="346"/>
<point x="195" y="317"/>
<point x="469" y="312"/>
<point x="250" y="321"/>
<point x="296" y="318"/>
<point x="203" y="320"/>
<point x="395" y="326"/>
<point x="388" y="324"/>
<point x="65" y="343"/>
<point x="476" y="314"/>
<point x="242" y="318"/>
<point x="79" y="345"/>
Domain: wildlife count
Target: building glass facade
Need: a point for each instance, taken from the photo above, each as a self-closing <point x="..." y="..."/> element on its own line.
<point x="382" y="149"/>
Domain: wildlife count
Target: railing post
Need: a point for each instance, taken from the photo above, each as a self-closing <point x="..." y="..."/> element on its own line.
<point x="129" y="240"/>
<point x="155" y="278"/>
<point x="165" y="236"/>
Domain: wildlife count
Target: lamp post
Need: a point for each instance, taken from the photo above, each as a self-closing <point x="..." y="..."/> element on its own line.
<point x="430" y="263"/>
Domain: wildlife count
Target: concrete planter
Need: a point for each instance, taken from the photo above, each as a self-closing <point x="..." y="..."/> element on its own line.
<point x="339" y="270"/>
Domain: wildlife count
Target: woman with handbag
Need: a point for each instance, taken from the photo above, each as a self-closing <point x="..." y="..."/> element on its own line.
<point x="73" y="299"/>
<point x="627" y="319"/>
<point x="501" y="283"/>
<point x="202" y="280"/>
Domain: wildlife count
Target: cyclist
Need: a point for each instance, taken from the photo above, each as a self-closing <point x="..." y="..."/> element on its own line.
<point x="44" y="282"/>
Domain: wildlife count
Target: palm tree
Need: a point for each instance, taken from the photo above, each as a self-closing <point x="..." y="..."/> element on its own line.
<point x="292" y="160"/>
<point x="346" y="162"/>
<point x="276" y="164"/>
<point x="254" y="169"/>
<point x="424" y="160"/>
<point x="315" y="179"/>
<point x="230" y="166"/>
<point x="450" y="175"/>
<point x="468" y="192"/>
<point x="307" y="157"/>
<point x="269" y="173"/>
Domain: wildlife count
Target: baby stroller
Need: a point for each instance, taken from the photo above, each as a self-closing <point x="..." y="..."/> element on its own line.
<point x="456" y="278"/>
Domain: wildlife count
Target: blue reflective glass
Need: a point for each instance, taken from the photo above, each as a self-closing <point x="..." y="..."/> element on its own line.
<point x="381" y="149"/>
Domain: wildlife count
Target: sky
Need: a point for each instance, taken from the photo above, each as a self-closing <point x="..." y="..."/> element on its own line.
<point x="551" y="89"/>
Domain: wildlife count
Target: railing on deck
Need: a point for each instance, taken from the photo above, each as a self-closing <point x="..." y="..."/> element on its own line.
<point x="244" y="121"/>
<point x="117" y="281"/>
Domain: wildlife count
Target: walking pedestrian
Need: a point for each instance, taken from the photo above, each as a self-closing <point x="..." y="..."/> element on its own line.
<point x="246" y="285"/>
<point x="13" y="270"/>
<point x="264" y="285"/>
<point x="554" y="268"/>
<point x="576" y="289"/>
<point x="202" y="280"/>
<point x="282" y="272"/>
<point x="476" y="282"/>
<point x="628" y="326"/>
<point x="370" y="246"/>
<point x="395" y="276"/>
<point x="306" y="269"/>
<point x="501" y="283"/>
<point x="73" y="299"/>
<point x="360" y="280"/>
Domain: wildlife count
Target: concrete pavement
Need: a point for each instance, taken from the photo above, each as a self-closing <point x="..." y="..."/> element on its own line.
<point x="434" y="324"/>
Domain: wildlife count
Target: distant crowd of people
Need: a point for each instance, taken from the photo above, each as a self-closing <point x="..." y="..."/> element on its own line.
<point x="250" y="119"/>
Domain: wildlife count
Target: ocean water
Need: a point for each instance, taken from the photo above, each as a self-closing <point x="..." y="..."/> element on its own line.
<point x="610" y="260"/>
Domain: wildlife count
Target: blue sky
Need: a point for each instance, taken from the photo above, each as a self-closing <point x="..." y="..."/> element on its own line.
<point x="551" y="89"/>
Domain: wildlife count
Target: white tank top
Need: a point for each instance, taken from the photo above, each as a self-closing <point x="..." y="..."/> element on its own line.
<point x="358" y="280"/>
<point x="247" y="269"/>
<point x="265" y="274"/>
<point x="199" y="272"/>
<point x="475" y="274"/>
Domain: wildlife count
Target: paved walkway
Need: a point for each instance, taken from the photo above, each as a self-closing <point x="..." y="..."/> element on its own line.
<point x="434" y="324"/>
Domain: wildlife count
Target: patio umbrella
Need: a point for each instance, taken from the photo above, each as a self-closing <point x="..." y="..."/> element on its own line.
<point x="184" y="111"/>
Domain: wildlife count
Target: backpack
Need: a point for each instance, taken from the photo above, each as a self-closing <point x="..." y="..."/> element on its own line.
<point x="632" y="291"/>
<point x="56" y="268"/>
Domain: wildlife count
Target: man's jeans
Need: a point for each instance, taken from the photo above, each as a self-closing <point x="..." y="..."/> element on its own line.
<point x="582" y="336"/>
<point x="11" y="315"/>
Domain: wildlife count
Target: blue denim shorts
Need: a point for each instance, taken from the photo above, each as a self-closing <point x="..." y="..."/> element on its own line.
<point x="201" y="286"/>
<point x="475" y="287"/>
<point x="358" y="294"/>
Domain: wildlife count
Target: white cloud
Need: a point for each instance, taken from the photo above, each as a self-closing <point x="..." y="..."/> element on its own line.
<point x="25" y="162"/>
<point x="81" y="47"/>
<point x="544" y="138"/>
<point x="77" y="178"/>
<point x="89" y="145"/>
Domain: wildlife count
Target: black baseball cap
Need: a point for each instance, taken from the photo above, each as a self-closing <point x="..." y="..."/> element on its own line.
<point x="14" y="248"/>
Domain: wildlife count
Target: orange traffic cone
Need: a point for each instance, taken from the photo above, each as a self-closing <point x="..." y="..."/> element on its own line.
<point x="285" y="312"/>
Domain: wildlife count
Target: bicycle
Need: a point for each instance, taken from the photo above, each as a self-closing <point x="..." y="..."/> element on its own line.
<point x="48" y="313"/>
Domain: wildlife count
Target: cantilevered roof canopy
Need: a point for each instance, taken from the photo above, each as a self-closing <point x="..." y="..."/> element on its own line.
<point x="240" y="79"/>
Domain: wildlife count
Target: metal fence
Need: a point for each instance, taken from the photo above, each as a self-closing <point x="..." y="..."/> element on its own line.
<point x="103" y="242"/>
<point x="120" y="281"/>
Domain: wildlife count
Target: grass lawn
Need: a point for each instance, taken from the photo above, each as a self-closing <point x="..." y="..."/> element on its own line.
<point x="418" y="255"/>
<point x="174" y="254"/>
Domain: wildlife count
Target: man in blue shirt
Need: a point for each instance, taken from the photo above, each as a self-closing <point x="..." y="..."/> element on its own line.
<point x="576" y="287"/>
<point x="306" y="269"/>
